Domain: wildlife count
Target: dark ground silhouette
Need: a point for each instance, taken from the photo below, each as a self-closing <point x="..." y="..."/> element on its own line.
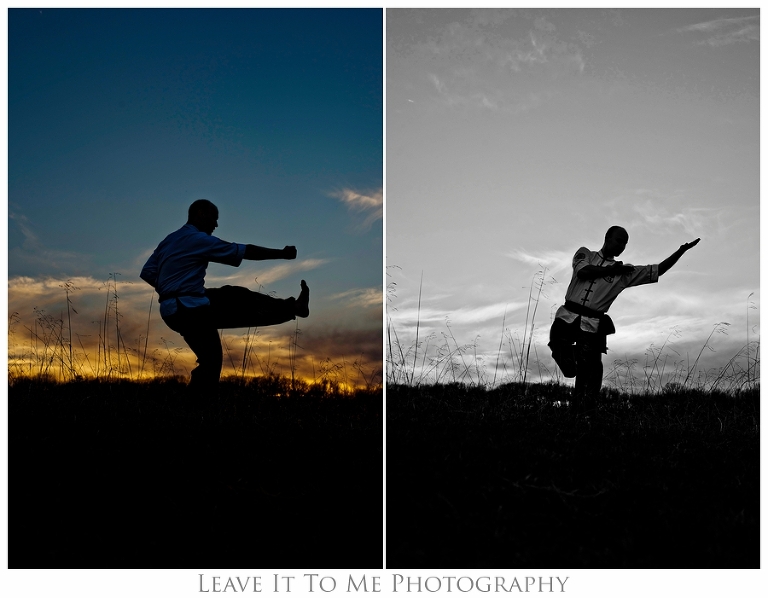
<point x="128" y="475"/>
<point x="504" y="479"/>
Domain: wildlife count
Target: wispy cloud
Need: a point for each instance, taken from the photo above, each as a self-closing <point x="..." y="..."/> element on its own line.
<point x="32" y="255"/>
<point x="695" y="222"/>
<point x="722" y="32"/>
<point x="478" y="315"/>
<point x="365" y="298"/>
<point x="668" y="213"/>
<point x="460" y="316"/>
<point x="479" y="66"/>
<point x="552" y="259"/>
<point x="25" y="287"/>
<point x="267" y="276"/>
<point x="369" y="203"/>
<point x="691" y="220"/>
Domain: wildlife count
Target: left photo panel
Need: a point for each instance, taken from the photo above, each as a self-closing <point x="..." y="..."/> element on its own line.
<point x="195" y="251"/>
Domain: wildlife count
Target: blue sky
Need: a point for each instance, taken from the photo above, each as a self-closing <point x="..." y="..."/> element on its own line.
<point x="516" y="136"/>
<point x="119" y="119"/>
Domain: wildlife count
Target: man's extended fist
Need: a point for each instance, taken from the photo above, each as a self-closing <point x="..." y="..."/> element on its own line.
<point x="290" y="252"/>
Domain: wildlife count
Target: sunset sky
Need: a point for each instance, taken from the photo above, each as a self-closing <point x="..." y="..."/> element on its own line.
<point x="119" y="119"/>
<point x="516" y="136"/>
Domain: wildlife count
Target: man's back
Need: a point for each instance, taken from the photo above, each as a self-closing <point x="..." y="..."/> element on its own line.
<point x="179" y="263"/>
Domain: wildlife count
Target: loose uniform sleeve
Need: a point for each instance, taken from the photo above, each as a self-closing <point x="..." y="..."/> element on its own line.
<point x="641" y="275"/>
<point x="149" y="271"/>
<point x="221" y="252"/>
<point x="580" y="259"/>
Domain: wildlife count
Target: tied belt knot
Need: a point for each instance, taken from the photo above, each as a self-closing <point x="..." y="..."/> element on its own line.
<point x="606" y="324"/>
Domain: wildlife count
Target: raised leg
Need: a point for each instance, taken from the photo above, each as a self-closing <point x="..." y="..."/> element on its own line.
<point x="238" y="307"/>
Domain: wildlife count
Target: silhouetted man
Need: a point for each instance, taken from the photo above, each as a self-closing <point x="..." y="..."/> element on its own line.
<point x="578" y="334"/>
<point x="176" y="270"/>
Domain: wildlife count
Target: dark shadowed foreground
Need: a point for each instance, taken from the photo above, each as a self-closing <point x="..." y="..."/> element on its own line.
<point x="128" y="475"/>
<point x="506" y="479"/>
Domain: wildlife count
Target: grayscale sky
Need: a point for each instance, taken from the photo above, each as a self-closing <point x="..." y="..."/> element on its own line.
<point x="514" y="137"/>
<point x="119" y="119"/>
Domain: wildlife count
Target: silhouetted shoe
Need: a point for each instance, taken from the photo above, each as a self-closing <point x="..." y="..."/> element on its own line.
<point x="565" y="358"/>
<point x="302" y="303"/>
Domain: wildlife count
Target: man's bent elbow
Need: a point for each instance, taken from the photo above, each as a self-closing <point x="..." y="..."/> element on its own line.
<point x="586" y="274"/>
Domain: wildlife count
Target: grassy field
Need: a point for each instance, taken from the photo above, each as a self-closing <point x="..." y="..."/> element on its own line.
<point x="132" y="475"/>
<point x="508" y="477"/>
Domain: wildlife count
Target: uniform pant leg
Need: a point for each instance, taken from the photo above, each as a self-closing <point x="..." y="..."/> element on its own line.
<point x="562" y="337"/>
<point x="197" y="328"/>
<point x="589" y="377"/>
<point x="238" y="307"/>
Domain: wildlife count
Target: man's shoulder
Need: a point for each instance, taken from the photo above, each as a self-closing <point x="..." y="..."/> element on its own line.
<point x="189" y="233"/>
<point x="582" y="253"/>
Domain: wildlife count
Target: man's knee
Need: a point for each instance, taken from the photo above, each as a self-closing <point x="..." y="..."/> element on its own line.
<point x="565" y="357"/>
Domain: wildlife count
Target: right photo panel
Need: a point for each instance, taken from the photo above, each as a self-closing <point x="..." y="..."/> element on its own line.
<point x="572" y="327"/>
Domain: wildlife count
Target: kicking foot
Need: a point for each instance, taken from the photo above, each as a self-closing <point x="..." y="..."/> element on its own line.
<point x="302" y="303"/>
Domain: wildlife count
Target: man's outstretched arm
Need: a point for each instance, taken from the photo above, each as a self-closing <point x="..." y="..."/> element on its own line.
<point x="672" y="259"/>
<point x="254" y="252"/>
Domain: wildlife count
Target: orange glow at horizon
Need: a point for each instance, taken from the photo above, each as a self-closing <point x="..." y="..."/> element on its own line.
<point x="344" y="376"/>
<point x="79" y="328"/>
<point x="45" y="349"/>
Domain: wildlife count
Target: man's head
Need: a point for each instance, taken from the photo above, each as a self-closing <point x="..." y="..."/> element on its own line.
<point x="204" y="215"/>
<point x="616" y="239"/>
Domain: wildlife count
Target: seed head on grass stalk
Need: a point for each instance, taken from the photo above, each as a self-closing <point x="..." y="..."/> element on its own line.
<point x="501" y="341"/>
<point x="368" y="380"/>
<point x="399" y="368"/>
<point x="104" y="327"/>
<point x="69" y="287"/>
<point x="146" y="339"/>
<point x="720" y="328"/>
<point x="538" y="281"/>
<point x="85" y="353"/>
<point x="750" y="305"/>
<point x="47" y="332"/>
<point x="418" y="317"/>
<point x="734" y="374"/>
<point x="392" y="376"/>
<point x="245" y="354"/>
<point x="114" y="276"/>
<point x="225" y="346"/>
<point x="293" y="348"/>
<point x="459" y="351"/>
<point x="675" y="332"/>
<point x="424" y="358"/>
